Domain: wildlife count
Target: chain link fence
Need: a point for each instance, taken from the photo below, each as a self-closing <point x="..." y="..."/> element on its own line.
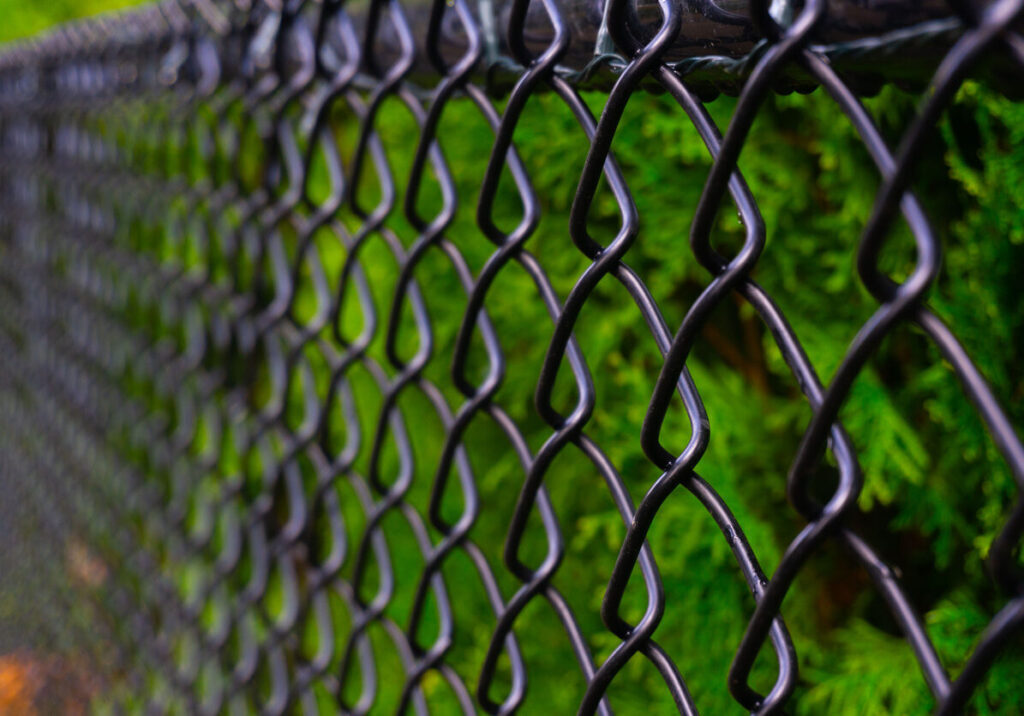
<point x="267" y="434"/>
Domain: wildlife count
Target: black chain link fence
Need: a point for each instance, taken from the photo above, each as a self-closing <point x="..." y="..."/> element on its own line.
<point x="223" y="445"/>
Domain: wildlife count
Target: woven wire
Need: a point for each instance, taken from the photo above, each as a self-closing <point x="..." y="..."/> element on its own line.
<point x="171" y="400"/>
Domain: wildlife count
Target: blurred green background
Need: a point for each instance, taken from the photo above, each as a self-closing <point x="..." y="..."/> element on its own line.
<point x="22" y="18"/>
<point x="935" y="491"/>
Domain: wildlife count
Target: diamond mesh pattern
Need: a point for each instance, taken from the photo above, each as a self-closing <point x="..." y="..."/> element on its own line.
<point x="220" y="363"/>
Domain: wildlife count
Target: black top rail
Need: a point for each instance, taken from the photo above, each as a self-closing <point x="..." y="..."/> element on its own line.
<point x="716" y="48"/>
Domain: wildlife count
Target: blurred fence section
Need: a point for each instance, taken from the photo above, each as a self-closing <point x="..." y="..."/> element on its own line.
<point x="255" y="380"/>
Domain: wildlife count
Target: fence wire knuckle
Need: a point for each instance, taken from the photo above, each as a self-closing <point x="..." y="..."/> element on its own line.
<point x="223" y="338"/>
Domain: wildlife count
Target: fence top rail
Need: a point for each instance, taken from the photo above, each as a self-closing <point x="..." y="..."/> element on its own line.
<point x="716" y="47"/>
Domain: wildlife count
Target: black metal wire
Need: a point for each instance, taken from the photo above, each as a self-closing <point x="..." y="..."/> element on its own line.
<point x="150" y="286"/>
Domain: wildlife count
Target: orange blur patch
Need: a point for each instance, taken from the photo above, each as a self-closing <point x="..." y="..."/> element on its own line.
<point x="31" y="685"/>
<point x="20" y="680"/>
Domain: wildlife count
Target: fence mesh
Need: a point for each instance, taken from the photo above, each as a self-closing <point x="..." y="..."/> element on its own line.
<point x="267" y="438"/>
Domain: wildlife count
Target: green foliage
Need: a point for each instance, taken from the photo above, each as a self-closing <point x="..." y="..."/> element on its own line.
<point x="23" y="18"/>
<point x="935" y="489"/>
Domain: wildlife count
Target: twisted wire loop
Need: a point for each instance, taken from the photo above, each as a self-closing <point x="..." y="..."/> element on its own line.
<point x="223" y="382"/>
